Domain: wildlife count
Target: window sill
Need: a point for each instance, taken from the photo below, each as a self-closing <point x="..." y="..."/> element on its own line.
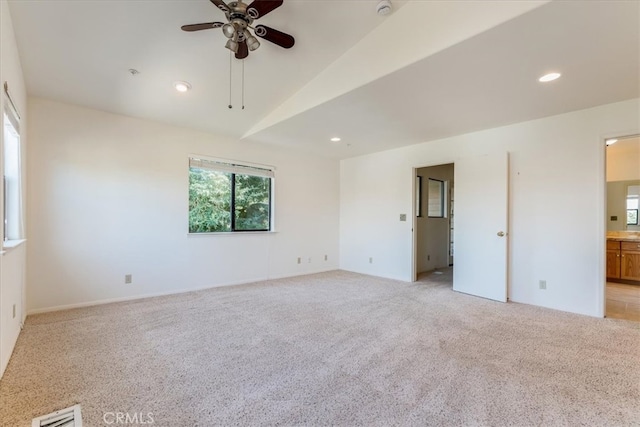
<point x="232" y="233"/>
<point x="8" y="245"/>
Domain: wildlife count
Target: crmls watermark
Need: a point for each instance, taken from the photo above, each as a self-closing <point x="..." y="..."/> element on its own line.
<point x="119" y="418"/>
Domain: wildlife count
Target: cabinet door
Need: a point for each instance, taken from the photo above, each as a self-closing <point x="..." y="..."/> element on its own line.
<point x="613" y="263"/>
<point x="630" y="266"/>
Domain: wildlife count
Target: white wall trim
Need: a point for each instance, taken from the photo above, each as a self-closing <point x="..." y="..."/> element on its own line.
<point x="376" y="274"/>
<point x="168" y="293"/>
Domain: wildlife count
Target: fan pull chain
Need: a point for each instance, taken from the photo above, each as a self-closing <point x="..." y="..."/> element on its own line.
<point x="243" y="84"/>
<point x="230" y="106"/>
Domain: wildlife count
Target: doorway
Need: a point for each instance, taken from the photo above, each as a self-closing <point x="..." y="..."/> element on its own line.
<point x="622" y="285"/>
<point x="433" y="252"/>
<point x="480" y="235"/>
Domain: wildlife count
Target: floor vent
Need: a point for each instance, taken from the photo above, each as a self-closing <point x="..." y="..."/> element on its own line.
<point x="70" y="417"/>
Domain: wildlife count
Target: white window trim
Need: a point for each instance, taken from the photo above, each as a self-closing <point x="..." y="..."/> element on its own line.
<point x="13" y="115"/>
<point x="232" y="161"/>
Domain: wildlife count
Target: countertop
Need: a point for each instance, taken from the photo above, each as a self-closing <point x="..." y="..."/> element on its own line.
<point x="623" y="236"/>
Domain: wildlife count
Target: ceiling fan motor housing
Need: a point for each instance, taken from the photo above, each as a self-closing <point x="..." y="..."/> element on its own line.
<point x="239" y="19"/>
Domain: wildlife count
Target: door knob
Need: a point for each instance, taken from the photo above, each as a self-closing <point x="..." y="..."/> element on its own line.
<point x="500" y="233"/>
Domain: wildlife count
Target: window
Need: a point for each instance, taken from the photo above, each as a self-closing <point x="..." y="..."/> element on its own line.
<point x="633" y="196"/>
<point x="435" y="199"/>
<point x="12" y="197"/>
<point x="229" y="197"/>
<point x="418" y="195"/>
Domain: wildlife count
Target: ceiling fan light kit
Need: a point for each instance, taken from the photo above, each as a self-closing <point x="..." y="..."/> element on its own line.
<point x="237" y="29"/>
<point x="232" y="45"/>
<point x="228" y="30"/>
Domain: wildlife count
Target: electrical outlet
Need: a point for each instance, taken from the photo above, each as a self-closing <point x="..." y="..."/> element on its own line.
<point x="542" y="284"/>
<point x="299" y="260"/>
<point x="370" y="260"/>
<point x="403" y="217"/>
<point x="128" y="278"/>
<point x="325" y="258"/>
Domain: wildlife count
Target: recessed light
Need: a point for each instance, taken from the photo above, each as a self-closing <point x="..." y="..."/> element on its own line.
<point x="335" y="139"/>
<point x="182" y="86"/>
<point x="549" y="77"/>
<point x="611" y="141"/>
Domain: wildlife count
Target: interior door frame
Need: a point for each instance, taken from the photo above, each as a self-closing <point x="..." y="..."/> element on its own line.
<point x="602" y="238"/>
<point x="414" y="229"/>
<point x="414" y="218"/>
<point x="602" y="231"/>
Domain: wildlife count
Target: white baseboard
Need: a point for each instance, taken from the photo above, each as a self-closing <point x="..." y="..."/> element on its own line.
<point x="383" y="276"/>
<point x="161" y="294"/>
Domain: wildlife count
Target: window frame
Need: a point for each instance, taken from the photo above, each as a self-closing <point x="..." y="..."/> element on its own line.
<point x="233" y="208"/>
<point x="419" y="196"/>
<point x="632" y="202"/>
<point x="12" y="204"/>
<point x="265" y="171"/>
<point x="443" y="207"/>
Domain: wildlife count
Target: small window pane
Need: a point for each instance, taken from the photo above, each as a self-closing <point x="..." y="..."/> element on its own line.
<point x="632" y="216"/>
<point x="418" y="196"/>
<point x="435" y="199"/>
<point x="209" y="201"/>
<point x="252" y="203"/>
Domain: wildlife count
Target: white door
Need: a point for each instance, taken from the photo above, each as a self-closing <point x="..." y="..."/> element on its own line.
<point x="480" y="226"/>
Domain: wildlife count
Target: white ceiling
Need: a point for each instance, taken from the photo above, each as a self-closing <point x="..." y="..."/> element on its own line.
<point x="346" y="76"/>
<point x="80" y="51"/>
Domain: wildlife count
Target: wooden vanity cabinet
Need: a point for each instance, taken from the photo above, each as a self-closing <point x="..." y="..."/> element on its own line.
<point x="613" y="259"/>
<point x="629" y="260"/>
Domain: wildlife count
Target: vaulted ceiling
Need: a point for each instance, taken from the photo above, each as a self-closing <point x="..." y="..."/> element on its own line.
<point x="429" y="70"/>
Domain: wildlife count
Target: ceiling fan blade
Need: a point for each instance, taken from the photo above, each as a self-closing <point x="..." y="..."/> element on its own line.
<point x="259" y="8"/>
<point x="203" y="26"/>
<point x="243" y="50"/>
<point x="274" y="36"/>
<point x="221" y="5"/>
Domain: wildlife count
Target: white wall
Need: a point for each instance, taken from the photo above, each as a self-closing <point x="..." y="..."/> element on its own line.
<point x="432" y="244"/>
<point x="12" y="262"/>
<point x="557" y="204"/>
<point x="623" y="160"/>
<point x="108" y="196"/>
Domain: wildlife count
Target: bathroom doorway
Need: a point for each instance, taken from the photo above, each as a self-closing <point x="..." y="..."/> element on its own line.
<point x="622" y="288"/>
<point x="434" y="222"/>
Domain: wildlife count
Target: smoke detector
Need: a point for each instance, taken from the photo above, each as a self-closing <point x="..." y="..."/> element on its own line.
<point x="384" y="7"/>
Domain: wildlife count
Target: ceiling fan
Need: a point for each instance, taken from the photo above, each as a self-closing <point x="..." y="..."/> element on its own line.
<point x="240" y="17"/>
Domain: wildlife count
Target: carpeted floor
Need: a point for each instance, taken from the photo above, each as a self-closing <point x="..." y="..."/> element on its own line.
<point x="329" y="349"/>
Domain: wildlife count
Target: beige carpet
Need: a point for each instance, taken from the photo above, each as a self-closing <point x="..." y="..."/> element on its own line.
<point x="328" y="349"/>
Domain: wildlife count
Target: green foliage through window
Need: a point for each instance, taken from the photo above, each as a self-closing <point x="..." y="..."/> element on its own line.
<point x="224" y="201"/>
